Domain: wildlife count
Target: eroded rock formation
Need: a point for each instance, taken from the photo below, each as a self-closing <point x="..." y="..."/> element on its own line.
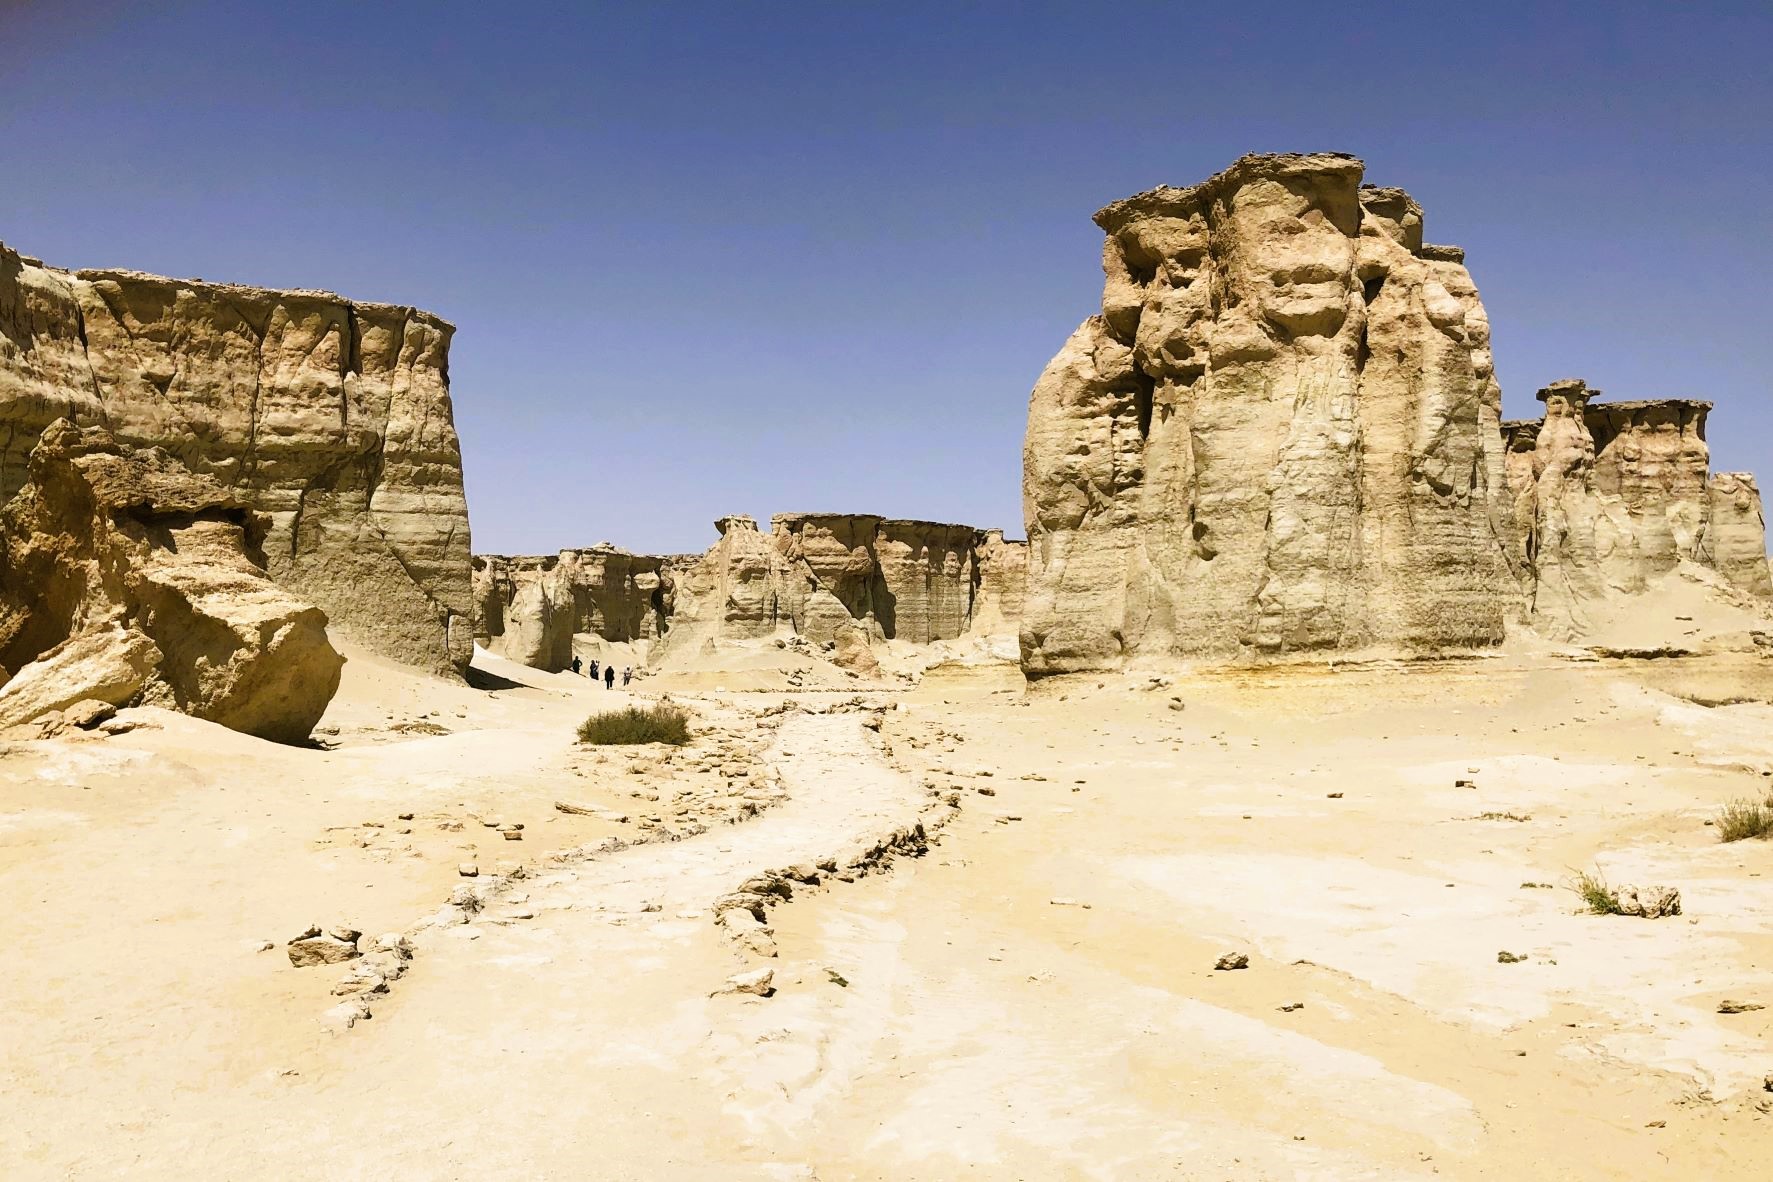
<point x="1607" y="498"/>
<point x="330" y="416"/>
<point x="125" y="578"/>
<point x="1279" y="434"/>
<point x="1282" y="434"/>
<point x="831" y="578"/>
<point x="528" y="609"/>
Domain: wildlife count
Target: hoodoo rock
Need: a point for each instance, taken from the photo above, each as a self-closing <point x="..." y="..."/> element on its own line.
<point x="126" y="578"/>
<point x="330" y="416"/>
<point x="1282" y="434"/>
<point x="830" y="578"/>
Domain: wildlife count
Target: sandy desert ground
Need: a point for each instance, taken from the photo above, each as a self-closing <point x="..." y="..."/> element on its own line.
<point x="994" y="910"/>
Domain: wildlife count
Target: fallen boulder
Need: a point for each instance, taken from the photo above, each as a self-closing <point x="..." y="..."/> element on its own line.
<point x="126" y="578"/>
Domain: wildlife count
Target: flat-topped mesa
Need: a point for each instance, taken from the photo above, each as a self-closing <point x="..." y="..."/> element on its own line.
<point x="331" y="416"/>
<point x="1608" y="497"/>
<point x="826" y="577"/>
<point x="1281" y="434"/>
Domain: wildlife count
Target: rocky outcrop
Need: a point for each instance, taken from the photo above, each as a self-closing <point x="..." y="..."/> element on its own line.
<point x="528" y="609"/>
<point x="1003" y="579"/>
<point x="1282" y="435"/>
<point x="822" y="575"/>
<point x="330" y="416"/>
<point x="1608" y="498"/>
<point x="124" y="578"/>
<point x="1278" y="436"/>
<point x="840" y="579"/>
<point x="1735" y="540"/>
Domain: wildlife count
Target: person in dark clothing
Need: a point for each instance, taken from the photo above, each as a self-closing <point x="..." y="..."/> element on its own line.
<point x="593" y="670"/>
<point x="609" y="677"/>
<point x="576" y="663"/>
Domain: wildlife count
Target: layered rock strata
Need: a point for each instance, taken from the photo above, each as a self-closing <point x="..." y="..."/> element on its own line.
<point x="331" y="416"/>
<point x="1279" y="434"/>
<point x="1608" y="497"/>
<point x="1282" y="434"/>
<point x="126" y="578"/>
<point x="528" y="609"/>
<point x="838" y="578"/>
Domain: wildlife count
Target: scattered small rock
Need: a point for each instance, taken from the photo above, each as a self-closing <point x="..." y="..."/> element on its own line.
<point x="757" y="982"/>
<point x="346" y="1014"/>
<point x="1291" y="1006"/>
<point x="1506" y="957"/>
<point x="1335" y="796"/>
<point x="317" y="947"/>
<point x="837" y="978"/>
<point x="1232" y="960"/>
<point x="1739" y="1007"/>
<point x="1068" y="903"/>
<point x="1649" y="902"/>
<point x="88" y="713"/>
<point x="468" y="870"/>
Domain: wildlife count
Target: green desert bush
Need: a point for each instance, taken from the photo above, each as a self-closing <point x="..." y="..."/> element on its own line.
<point x="1745" y="818"/>
<point x="1597" y="896"/>
<point x="658" y="723"/>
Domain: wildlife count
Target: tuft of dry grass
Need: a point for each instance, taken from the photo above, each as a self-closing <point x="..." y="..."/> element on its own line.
<point x="1597" y="896"/>
<point x="659" y="723"/>
<point x="1745" y="818"/>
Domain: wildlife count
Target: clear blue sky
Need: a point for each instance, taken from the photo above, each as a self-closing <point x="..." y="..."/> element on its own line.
<point x="736" y="257"/>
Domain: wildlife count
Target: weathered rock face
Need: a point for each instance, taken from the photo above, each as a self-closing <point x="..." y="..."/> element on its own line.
<point x="529" y="609"/>
<point x="1003" y="579"/>
<point x="1282" y="435"/>
<point x="1279" y="435"/>
<point x="823" y="575"/>
<point x="330" y="416"/>
<point x="1606" y="498"/>
<point x="1735" y="540"/>
<point x="826" y="577"/>
<point x="125" y="577"/>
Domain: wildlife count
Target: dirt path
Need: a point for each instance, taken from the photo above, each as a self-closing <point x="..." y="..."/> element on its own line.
<point x="581" y="1042"/>
<point x="842" y="800"/>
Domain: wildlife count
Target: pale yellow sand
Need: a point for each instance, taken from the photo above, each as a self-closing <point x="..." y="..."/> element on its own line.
<point x="1035" y="998"/>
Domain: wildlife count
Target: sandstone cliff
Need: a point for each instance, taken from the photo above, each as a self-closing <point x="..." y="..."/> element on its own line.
<point x="831" y="578"/>
<point x="330" y="416"/>
<point x="124" y="577"/>
<point x="1279" y="435"/>
<point x="1282" y="434"/>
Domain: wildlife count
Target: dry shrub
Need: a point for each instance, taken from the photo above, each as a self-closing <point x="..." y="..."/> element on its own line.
<point x="1597" y="896"/>
<point x="659" y="723"/>
<point x="1745" y="818"/>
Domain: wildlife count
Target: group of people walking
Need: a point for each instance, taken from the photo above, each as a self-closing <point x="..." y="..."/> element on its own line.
<point x="608" y="674"/>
